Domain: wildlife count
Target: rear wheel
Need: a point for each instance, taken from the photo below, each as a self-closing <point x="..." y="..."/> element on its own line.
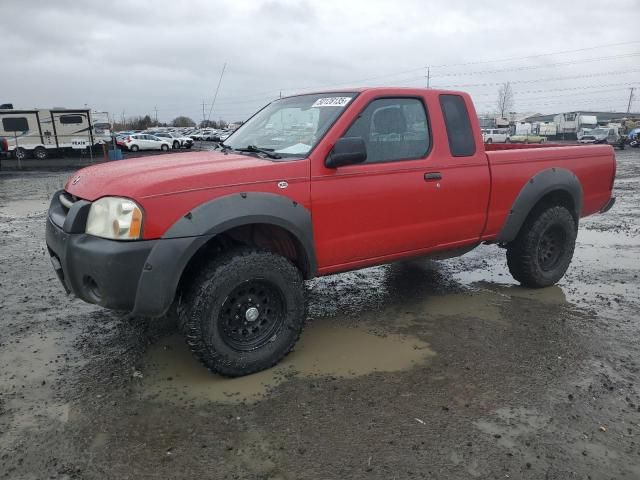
<point x="176" y="144"/>
<point x="243" y="312"/>
<point x="543" y="249"/>
<point x="508" y="140"/>
<point x="40" y="153"/>
<point x="164" y="147"/>
<point x="489" y="140"/>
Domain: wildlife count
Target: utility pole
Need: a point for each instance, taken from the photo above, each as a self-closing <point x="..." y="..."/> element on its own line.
<point x="203" y="115"/>
<point x="630" y="99"/>
<point x="123" y="124"/>
<point x="428" y="76"/>
<point x="156" y="110"/>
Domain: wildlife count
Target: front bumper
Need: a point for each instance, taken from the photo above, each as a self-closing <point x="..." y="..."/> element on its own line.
<point x="136" y="276"/>
<point x="98" y="270"/>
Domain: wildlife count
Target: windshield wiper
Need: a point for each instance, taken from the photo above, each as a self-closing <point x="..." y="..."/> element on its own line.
<point x="223" y="146"/>
<point x="253" y="149"/>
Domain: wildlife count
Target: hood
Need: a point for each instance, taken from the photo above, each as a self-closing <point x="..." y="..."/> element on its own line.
<point x="138" y="178"/>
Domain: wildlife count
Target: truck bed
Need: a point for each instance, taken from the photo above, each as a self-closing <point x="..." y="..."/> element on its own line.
<point x="513" y="165"/>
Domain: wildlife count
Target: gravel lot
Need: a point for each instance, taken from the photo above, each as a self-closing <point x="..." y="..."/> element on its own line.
<point x="438" y="370"/>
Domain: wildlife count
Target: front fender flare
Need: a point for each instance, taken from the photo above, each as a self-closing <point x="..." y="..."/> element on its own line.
<point x="168" y="259"/>
<point x="224" y="213"/>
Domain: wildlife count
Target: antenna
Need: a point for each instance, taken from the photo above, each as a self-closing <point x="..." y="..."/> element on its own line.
<point x="215" y="95"/>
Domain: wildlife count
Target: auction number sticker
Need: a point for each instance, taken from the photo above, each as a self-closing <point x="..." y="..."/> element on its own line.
<point x="331" y="102"/>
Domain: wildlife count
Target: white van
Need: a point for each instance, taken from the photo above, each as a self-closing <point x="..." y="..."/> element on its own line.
<point x="495" y="135"/>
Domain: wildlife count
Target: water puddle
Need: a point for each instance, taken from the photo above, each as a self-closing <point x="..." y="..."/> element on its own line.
<point x="325" y="349"/>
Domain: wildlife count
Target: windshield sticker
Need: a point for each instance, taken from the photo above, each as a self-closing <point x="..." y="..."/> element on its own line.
<point x="331" y="102"/>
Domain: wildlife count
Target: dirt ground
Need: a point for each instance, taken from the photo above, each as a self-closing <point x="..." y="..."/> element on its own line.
<point x="421" y="369"/>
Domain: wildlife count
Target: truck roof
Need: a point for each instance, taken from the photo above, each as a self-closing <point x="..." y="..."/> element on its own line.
<point x="384" y="90"/>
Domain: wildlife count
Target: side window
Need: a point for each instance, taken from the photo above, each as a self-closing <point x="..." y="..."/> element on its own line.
<point x="70" y="119"/>
<point x="15" y="124"/>
<point x="393" y="129"/>
<point x="456" y="119"/>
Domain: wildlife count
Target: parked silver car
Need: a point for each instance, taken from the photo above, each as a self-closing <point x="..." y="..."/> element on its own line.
<point x="608" y="135"/>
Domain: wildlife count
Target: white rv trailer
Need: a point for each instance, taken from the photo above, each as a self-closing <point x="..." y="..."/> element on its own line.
<point x="40" y="132"/>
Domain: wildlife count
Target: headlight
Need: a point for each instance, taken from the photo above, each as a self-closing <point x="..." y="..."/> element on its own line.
<point x="115" y="218"/>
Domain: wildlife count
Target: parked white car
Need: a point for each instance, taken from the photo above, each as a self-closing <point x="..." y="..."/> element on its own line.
<point x="495" y="135"/>
<point x="582" y="132"/>
<point x="177" y="140"/>
<point x="144" y="141"/>
<point x="224" y="135"/>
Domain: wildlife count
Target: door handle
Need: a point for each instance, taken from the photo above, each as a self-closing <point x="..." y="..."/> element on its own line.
<point x="432" y="176"/>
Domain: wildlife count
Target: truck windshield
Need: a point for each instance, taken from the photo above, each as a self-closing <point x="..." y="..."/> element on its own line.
<point x="290" y="127"/>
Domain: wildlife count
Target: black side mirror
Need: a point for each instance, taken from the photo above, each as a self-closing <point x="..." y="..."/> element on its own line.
<point x="347" y="151"/>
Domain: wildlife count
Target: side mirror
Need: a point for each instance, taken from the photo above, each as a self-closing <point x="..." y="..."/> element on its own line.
<point x="347" y="151"/>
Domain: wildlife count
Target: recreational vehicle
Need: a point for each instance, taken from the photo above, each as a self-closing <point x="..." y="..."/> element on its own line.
<point x="40" y="132"/>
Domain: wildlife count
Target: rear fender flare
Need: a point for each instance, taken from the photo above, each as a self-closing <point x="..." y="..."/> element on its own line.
<point x="541" y="184"/>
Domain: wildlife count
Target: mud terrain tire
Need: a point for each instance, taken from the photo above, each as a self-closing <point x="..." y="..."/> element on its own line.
<point x="243" y="311"/>
<point x="542" y="251"/>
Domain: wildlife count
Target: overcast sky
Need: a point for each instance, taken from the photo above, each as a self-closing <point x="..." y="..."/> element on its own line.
<point x="134" y="56"/>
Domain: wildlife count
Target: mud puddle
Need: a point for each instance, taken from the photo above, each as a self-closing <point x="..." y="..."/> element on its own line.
<point x="325" y="349"/>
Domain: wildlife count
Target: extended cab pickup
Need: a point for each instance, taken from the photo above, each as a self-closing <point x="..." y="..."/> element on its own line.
<point x="312" y="185"/>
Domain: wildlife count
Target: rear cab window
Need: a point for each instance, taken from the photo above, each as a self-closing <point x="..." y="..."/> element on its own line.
<point x="458" y="124"/>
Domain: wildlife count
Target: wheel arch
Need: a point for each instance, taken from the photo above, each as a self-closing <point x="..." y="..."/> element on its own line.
<point x="264" y="220"/>
<point x="554" y="186"/>
<point x="235" y="211"/>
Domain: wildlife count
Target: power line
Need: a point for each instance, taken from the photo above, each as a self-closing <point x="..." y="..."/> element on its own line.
<point x="536" y="80"/>
<point x="599" y="47"/>
<point x="534" y="67"/>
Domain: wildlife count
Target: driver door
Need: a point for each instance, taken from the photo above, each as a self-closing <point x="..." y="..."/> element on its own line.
<point x="380" y="207"/>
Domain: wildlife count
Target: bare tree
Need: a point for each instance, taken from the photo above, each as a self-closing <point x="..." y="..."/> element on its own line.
<point x="505" y="100"/>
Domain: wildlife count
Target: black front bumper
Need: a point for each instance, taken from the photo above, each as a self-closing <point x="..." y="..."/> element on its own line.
<point x="139" y="276"/>
<point x="97" y="270"/>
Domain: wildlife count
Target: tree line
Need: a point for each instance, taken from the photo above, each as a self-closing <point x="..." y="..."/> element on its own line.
<point x="145" y="122"/>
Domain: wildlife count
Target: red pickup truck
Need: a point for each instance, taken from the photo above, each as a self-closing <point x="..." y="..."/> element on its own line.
<point x="313" y="185"/>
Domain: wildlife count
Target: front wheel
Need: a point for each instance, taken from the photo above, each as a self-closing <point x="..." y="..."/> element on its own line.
<point x="164" y="147"/>
<point x="20" y="153"/>
<point x="489" y="141"/>
<point x="508" y="140"/>
<point x="134" y="148"/>
<point x="543" y="249"/>
<point x="243" y="312"/>
<point x="176" y="145"/>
